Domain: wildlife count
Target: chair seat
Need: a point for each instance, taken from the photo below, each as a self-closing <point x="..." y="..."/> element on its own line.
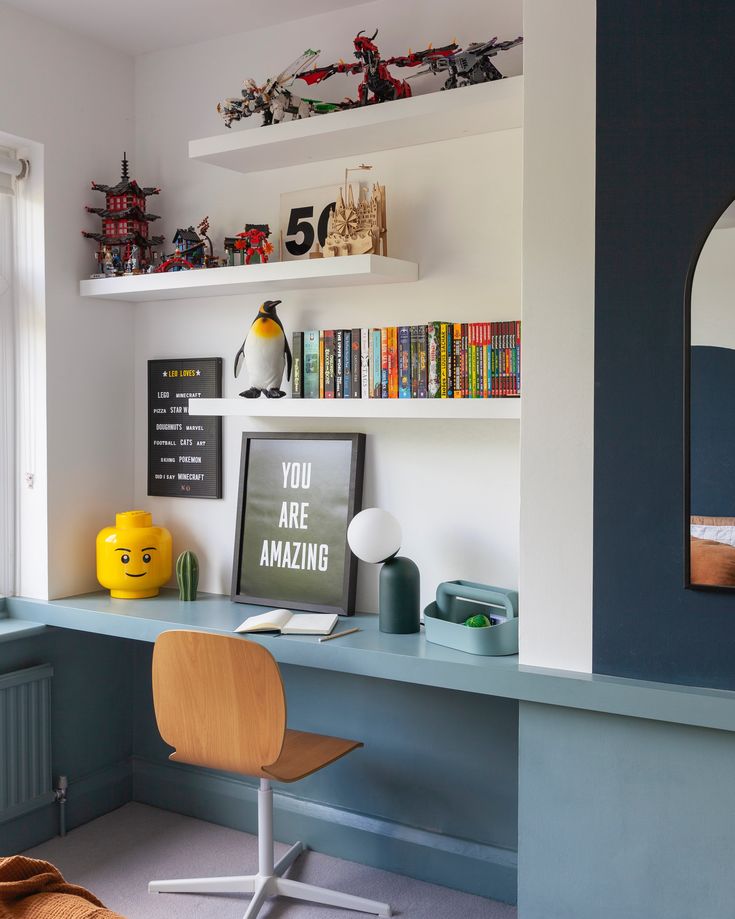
<point x="304" y="753"/>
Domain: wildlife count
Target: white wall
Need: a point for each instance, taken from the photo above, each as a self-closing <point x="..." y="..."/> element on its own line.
<point x="75" y="98"/>
<point x="713" y="291"/>
<point x="455" y="207"/>
<point x="558" y="330"/>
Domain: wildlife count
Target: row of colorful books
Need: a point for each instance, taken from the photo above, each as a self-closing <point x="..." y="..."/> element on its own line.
<point x="441" y="360"/>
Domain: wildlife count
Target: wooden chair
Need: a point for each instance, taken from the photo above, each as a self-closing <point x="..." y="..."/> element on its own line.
<point x="220" y="703"/>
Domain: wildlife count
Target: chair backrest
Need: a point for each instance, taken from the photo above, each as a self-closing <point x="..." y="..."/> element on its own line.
<point x="219" y="701"/>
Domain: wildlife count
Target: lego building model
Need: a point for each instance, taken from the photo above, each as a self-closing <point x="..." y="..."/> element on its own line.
<point x="125" y="244"/>
<point x="357" y="227"/>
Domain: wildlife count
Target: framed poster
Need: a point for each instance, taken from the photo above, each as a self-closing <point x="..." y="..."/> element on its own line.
<point x="297" y="495"/>
<point x="184" y="454"/>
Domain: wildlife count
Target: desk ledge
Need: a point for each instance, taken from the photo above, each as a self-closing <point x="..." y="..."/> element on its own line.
<point x="403" y="658"/>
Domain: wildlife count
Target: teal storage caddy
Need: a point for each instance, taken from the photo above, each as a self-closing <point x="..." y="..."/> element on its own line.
<point x="456" y="601"/>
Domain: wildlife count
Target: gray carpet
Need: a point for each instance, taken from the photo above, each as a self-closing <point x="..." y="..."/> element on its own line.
<point x="116" y="855"/>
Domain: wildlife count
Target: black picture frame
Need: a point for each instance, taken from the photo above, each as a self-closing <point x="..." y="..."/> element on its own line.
<point x="340" y="586"/>
<point x="727" y="201"/>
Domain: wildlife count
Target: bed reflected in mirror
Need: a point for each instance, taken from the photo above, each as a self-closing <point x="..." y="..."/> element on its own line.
<point x="711" y="516"/>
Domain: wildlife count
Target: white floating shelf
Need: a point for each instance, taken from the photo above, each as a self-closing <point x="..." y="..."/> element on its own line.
<point x="399" y="409"/>
<point x="468" y="110"/>
<point x="307" y="274"/>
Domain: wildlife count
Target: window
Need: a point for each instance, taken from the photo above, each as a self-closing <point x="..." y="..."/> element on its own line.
<point x="7" y="389"/>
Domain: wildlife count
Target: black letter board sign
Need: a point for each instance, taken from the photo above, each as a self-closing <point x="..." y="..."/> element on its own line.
<point x="184" y="454"/>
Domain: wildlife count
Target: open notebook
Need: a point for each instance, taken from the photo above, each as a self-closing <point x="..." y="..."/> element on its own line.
<point x="288" y="623"/>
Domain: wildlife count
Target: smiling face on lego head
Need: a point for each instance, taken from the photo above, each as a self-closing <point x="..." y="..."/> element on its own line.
<point x="133" y="557"/>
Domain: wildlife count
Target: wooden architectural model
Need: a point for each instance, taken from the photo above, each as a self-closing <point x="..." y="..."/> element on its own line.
<point x="358" y="228"/>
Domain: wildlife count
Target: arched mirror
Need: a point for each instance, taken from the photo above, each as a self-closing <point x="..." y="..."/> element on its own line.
<point x="710" y="520"/>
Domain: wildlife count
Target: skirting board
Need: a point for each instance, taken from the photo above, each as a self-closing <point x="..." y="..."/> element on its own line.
<point x="457" y="863"/>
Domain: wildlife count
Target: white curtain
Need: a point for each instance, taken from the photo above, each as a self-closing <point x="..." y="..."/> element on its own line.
<point x="7" y="398"/>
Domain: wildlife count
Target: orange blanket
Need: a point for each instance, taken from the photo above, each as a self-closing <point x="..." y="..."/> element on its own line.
<point x="33" y="889"/>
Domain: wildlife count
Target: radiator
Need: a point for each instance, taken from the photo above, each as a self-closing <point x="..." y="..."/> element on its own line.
<point x="25" y="741"/>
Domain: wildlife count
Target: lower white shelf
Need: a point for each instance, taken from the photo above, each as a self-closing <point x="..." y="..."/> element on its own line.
<point x="306" y="274"/>
<point x="399" y="409"/>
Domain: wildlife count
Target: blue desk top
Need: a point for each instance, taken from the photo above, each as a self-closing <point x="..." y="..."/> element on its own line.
<point x="369" y="652"/>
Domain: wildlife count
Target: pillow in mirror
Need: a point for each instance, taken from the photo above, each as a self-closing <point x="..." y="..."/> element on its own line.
<point x="719" y="529"/>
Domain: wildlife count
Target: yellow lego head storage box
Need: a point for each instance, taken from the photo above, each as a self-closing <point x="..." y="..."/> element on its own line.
<point x="133" y="557"/>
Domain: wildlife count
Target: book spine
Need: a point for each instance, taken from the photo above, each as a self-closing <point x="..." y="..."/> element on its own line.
<point x="423" y="362"/>
<point x="490" y="358"/>
<point x="471" y="347"/>
<point x="457" y="359"/>
<point x="404" y="362"/>
<point x="297" y="371"/>
<point x="384" y="363"/>
<point x="486" y="360"/>
<point x="480" y="359"/>
<point x="464" y="366"/>
<point x="501" y="359"/>
<point x="355" y="364"/>
<point x="443" y="368"/>
<point x="364" y="363"/>
<point x="339" y="363"/>
<point x="414" y="338"/>
<point x="493" y="360"/>
<point x="433" y="360"/>
<point x="518" y="357"/>
<point x="507" y="359"/>
<point x="311" y="364"/>
<point x="376" y="365"/>
<point x="450" y="360"/>
<point x="347" y="360"/>
<point x="321" y="363"/>
<point x="392" y="362"/>
<point x="329" y="365"/>
<point x="511" y="358"/>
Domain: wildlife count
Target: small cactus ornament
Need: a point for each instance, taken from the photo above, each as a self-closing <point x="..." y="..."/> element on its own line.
<point x="187" y="575"/>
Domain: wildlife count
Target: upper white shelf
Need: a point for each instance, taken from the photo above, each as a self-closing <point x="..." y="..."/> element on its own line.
<point x="399" y="409"/>
<point x="342" y="271"/>
<point x="480" y="109"/>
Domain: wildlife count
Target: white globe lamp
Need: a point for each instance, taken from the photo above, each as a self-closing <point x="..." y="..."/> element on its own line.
<point x="374" y="536"/>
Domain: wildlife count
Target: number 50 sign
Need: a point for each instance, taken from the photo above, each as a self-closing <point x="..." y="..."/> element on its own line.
<point x="304" y="219"/>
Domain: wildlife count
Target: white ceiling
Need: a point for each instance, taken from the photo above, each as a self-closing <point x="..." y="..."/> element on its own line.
<point x="137" y="26"/>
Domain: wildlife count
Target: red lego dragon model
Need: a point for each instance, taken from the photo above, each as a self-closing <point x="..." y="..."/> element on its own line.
<point x="378" y="83"/>
<point x="254" y="240"/>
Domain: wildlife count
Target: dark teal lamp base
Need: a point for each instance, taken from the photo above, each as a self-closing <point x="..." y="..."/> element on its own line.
<point x="400" y="601"/>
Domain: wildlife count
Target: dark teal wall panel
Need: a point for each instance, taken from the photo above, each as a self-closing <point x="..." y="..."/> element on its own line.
<point x="665" y="171"/>
<point x="621" y="817"/>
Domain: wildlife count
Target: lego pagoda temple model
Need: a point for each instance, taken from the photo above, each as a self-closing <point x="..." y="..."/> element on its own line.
<point x="125" y="245"/>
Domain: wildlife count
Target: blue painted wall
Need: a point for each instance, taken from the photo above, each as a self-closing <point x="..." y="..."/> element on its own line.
<point x="92" y="727"/>
<point x="665" y="171"/>
<point x="621" y="817"/>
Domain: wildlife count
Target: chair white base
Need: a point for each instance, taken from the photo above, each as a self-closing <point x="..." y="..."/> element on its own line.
<point x="268" y="882"/>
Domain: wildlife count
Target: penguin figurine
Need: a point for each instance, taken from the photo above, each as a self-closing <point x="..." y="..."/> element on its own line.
<point x="264" y="353"/>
